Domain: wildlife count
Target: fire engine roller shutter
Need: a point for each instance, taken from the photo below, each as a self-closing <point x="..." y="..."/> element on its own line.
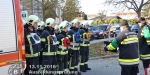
<point x="7" y="27"/>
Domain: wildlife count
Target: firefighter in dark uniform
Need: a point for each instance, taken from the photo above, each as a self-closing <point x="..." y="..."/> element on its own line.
<point x="39" y="32"/>
<point x="48" y="44"/>
<point x="57" y="30"/>
<point x="127" y="42"/>
<point x="62" y="52"/>
<point x="84" y="47"/>
<point x="41" y="26"/>
<point x="32" y="45"/>
<point x="75" y="39"/>
<point x="144" y="43"/>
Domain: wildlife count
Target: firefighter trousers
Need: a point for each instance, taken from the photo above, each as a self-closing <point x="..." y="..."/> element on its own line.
<point x="86" y="56"/>
<point x="41" y="58"/>
<point x="62" y="61"/>
<point x="146" y="63"/>
<point x="129" y="70"/>
<point x="49" y="64"/>
<point x="82" y="57"/>
<point x="32" y="66"/>
<point x="66" y="64"/>
<point x="74" y="60"/>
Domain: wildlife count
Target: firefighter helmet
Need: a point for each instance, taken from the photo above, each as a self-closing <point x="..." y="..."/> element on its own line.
<point x="50" y="21"/>
<point x="85" y="23"/>
<point x="56" y="27"/>
<point x="41" y="24"/>
<point x="32" y="19"/>
<point x="75" y="21"/>
<point x="63" y="24"/>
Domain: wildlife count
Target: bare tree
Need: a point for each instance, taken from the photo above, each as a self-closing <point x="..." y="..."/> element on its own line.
<point x="135" y="5"/>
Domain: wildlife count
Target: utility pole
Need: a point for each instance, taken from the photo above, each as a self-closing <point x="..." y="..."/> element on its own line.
<point x="32" y="6"/>
<point x="43" y="8"/>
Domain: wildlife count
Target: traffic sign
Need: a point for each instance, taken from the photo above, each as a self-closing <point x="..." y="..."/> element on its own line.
<point x="58" y="12"/>
<point x="24" y="15"/>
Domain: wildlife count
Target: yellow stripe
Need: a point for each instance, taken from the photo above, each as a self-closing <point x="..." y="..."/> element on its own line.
<point x="146" y="55"/>
<point x="110" y="47"/>
<point x="30" y="44"/>
<point x="129" y="60"/>
<point x="43" y="39"/>
<point x="129" y="39"/>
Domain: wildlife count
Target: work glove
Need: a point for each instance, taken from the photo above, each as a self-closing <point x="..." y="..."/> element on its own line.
<point x="105" y="48"/>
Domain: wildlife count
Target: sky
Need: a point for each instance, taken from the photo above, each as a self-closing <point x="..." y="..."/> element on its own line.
<point x="91" y="6"/>
<point x="94" y="6"/>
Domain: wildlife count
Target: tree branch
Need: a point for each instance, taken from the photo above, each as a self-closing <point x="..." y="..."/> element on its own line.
<point x="128" y="6"/>
<point x="135" y="4"/>
<point x="148" y="2"/>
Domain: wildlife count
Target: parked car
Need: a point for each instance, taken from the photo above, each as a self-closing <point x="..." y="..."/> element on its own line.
<point x="117" y="31"/>
<point x="90" y="30"/>
<point x="135" y="28"/>
<point x="102" y="31"/>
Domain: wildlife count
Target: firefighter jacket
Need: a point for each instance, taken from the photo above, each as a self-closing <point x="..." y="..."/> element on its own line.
<point x="128" y="48"/>
<point x="39" y="32"/>
<point x="32" y="43"/>
<point x="86" y="37"/>
<point x="75" y="38"/>
<point x="48" y="42"/>
<point x="63" y="44"/>
<point x="144" y="42"/>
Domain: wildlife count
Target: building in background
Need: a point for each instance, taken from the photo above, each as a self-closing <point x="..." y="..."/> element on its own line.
<point x="32" y="7"/>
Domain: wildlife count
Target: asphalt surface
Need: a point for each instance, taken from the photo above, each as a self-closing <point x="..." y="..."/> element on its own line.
<point x="107" y="66"/>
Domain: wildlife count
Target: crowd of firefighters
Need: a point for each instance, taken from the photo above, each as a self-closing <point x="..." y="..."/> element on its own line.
<point x="52" y="49"/>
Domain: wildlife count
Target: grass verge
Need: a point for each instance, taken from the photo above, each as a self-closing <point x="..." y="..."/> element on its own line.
<point x="97" y="49"/>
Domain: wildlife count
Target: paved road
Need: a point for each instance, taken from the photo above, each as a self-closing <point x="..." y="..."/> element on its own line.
<point x="107" y="66"/>
<point x="100" y="40"/>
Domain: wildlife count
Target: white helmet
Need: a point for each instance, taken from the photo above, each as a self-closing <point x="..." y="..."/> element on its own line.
<point x="75" y="21"/>
<point x="50" y="21"/>
<point x="41" y="24"/>
<point x="85" y="23"/>
<point x="56" y="28"/>
<point x="32" y="19"/>
<point x="24" y="22"/>
<point x="63" y="24"/>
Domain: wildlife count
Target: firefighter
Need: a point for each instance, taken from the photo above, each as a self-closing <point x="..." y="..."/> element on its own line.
<point x="48" y="44"/>
<point x="84" y="47"/>
<point x="75" y="39"/>
<point x="57" y="30"/>
<point x="63" y="44"/>
<point x="144" y="43"/>
<point x="32" y="45"/>
<point x="41" y="26"/>
<point x="127" y="42"/>
<point x="39" y="32"/>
